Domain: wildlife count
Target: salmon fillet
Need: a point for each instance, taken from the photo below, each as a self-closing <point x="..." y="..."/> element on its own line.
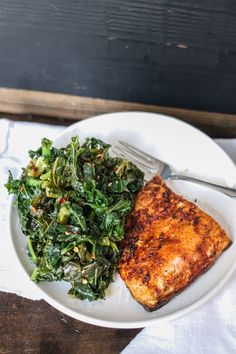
<point x="168" y="242"/>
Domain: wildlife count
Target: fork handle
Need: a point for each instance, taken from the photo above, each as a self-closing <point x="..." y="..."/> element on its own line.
<point x="230" y="192"/>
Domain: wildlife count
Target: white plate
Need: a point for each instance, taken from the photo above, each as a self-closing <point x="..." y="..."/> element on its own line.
<point x="189" y="151"/>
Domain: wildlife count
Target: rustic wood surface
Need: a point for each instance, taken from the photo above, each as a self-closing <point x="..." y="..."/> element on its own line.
<point x="35" y="327"/>
<point x="167" y="52"/>
<point x="65" y="109"/>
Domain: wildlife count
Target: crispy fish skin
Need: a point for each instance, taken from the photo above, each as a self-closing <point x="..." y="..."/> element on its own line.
<point x="168" y="242"/>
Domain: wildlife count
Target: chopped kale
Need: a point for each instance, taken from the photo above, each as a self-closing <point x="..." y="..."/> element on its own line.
<point x="72" y="204"/>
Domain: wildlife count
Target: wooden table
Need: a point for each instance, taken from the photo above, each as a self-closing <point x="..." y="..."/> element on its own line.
<point x="34" y="326"/>
<point x="172" y="53"/>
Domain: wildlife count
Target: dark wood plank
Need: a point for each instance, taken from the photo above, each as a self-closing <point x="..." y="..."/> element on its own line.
<point x="167" y="52"/>
<point x="64" y="109"/>
<point x="213" y="131"/>
<point x="35" y="327"/>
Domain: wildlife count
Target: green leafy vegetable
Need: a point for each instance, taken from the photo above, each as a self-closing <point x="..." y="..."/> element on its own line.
<point x="72" y="204"/>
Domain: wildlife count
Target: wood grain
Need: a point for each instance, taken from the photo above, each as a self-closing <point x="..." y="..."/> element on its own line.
<point x="28" y="326"/>
<point x="168" y="52"/>
<point x="71" y="107"/>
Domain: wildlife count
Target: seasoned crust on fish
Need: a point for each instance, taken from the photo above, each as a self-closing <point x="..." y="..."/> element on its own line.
<point x="168" y="242"/>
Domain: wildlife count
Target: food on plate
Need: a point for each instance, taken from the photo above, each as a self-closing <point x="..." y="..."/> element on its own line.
<point x="72" y="203"/>
<point x="168" y="242"/>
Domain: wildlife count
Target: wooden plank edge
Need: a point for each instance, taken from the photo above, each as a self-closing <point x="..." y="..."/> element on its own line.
<point x="18" y="101"/>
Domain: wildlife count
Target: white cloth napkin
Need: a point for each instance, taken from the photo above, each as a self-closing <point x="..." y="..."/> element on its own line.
<point x="211" y="329"/>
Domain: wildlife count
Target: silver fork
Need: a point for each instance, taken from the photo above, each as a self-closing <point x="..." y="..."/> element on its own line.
<point x="152" y="166"/>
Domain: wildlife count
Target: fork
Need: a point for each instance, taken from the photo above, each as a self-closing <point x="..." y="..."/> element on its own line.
<point x="151" y="166"/>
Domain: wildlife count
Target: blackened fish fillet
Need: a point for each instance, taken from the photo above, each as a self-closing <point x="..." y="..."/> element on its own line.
<point x="168" y="242"/>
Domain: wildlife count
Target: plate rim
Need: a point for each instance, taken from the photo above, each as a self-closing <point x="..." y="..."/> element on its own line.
<point x="164" y="116"/>
<point x="120" y="323"/>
